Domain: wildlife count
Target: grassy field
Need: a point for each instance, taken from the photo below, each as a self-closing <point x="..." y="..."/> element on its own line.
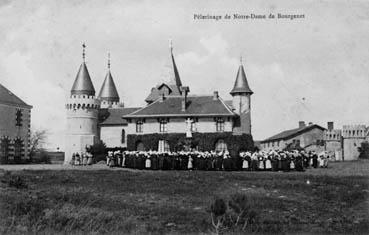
<point x="72" y="201"/>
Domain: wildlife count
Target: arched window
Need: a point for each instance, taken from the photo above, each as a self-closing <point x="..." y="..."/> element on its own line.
<point x="220" y="145"/>
<point x="140" y="146"/>
<point x="123" y="137"/>
<point x="163" y="146"/>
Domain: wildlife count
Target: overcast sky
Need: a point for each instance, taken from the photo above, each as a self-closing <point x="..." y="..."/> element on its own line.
<point x="314" y="69"/>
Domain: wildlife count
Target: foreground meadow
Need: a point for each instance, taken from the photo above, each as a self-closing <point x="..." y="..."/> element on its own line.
<point x="74" y="201"/>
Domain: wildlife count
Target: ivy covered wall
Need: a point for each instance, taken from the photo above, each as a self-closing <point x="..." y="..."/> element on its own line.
<point x="203" y="141"/>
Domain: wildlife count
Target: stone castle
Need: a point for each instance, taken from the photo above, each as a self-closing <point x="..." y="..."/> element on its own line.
<point x="170" y="116"/>
<point x="343" y="144"/>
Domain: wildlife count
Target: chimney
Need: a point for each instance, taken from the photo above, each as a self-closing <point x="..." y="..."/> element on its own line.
<point x="310" y="123"/>
<point x="301" y="124"/>
<point x="215" y="95"/>
<point x="184" y="90"/>
<point x="330" y="125"/>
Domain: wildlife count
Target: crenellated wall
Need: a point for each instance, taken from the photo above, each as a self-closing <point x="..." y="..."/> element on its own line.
<point x="353" y="136"/>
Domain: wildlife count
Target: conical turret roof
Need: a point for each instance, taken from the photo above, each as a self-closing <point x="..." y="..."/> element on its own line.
<point x="241" y="85"/>
<point x="82" y="84"/>
<point x="108" y="89"/>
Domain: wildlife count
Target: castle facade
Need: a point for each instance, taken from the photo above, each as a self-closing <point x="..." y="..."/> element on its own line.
<point x="343" y="143"/>
<point x="171" y="118"/>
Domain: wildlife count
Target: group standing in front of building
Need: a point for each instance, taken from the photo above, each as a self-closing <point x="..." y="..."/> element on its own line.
<point x="170" y="111"/>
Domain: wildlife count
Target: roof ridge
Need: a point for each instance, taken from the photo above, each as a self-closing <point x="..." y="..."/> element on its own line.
<point x="225" y="105"/>
<point x="13" y="99"/>
<point x="144" y="107"/>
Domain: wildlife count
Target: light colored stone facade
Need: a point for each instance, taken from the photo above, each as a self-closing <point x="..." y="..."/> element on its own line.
<point x="353" y="136"/>
<point x="333" y="144"/>
<point x="179" y="125"/>
<point x="82" y="119"/>
<point x="306" y="139"/>
<point x="112" y="136"/>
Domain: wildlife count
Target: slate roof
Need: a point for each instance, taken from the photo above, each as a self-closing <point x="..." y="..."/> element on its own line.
<point x="288" y="134"/>
<point x="172" y="107"/>
<point x="82" y="84"/>
<point x="113" y="116"/>
<point x="156" y="92"/>
<point x="174" y="78"/>
<point x="229" y="103"/>
<point x="7" y="97"/>
<point x="108" y="90"/>
<point x="241" y="85"/>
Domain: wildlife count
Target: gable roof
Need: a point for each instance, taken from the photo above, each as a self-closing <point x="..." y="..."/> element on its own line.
<point x="284" y="135"/>
<point x="171" y="106"/>
<point x="113" y="116"/>
<point x="157" y="91"/>
<point x="7" y="97"/>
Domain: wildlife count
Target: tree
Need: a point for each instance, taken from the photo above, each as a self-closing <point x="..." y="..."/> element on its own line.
<point x="364" y="150"/>
<point x="98" y="150"/>
<point x="38" y="139"/>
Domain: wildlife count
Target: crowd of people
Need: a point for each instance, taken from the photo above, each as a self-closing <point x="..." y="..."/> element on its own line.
<point x="221" y="160"/>
<point x="82" y="159"/>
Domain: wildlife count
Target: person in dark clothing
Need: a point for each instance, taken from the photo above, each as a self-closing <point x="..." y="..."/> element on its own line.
<point x="315" y="160"/>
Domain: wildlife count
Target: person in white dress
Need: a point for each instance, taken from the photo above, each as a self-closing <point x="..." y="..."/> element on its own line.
<point x="245" y="163"/>
<point x="148" y="162"/>
<point x="190" y="165"/>
<point x="268" y="163"/>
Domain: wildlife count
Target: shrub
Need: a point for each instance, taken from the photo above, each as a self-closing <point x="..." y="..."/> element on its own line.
<point x="364" y="150"/>
<point x="217" y="212"/>
<point x="14" y="181"/>
<point x="237" y="216"/>
<point x="97" y="148"/>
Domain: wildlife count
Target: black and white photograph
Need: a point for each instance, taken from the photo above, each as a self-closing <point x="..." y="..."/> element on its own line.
<point x="184" y="117"/>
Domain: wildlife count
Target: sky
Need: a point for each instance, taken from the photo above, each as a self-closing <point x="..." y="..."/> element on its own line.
<point x="314" y="68"/>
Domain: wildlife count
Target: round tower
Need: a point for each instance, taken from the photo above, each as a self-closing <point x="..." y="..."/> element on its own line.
<point x="241" y="102"/>
<point x="82" y="114"/>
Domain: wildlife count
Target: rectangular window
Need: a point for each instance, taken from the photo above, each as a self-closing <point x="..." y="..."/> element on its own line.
<point x="219" y="124"/>
<point x="163" y="126"/>
<point x="139" y="126"/>
<point x="18" y="117"/>
<point x="123" y="137"/>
